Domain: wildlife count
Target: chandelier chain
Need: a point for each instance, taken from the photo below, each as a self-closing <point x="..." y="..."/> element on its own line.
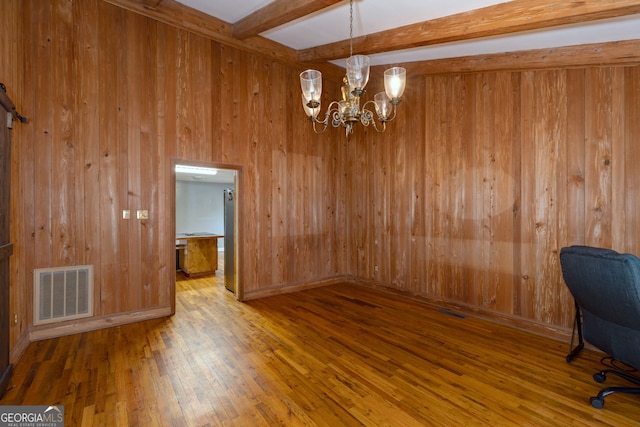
<point x="350" y="27"/>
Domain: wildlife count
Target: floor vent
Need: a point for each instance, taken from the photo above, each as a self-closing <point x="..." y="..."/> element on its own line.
<point x="62" y="293"/>
<point x="451" y="313"/>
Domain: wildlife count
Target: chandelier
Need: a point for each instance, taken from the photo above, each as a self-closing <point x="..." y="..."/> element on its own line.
<point x="347" y="111"/>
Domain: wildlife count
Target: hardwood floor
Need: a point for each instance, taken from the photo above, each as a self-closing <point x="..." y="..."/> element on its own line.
<point x="341" y="355"/>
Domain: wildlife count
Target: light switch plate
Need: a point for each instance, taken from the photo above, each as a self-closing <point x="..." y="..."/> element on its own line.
<point x="142" y="214"/>
<point x="126" y="214"/>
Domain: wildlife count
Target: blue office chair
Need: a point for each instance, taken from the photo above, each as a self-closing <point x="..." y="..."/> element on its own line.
<point x="606" y="287"/>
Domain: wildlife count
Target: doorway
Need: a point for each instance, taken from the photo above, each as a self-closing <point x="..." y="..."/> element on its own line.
<point x="204" y="234"/>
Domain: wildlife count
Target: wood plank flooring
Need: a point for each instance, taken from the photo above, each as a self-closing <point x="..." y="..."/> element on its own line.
<point x="341" y="355"/>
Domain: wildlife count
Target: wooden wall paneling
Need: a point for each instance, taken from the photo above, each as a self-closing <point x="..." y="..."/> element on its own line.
<point x="12" y="73"/>
<point x="618" y="163"/>
<point x="277" y="133"/>
<point x="87" y="134"/>
<point x="364" y="199"/>
<point x="549" y="132"/>
<point x="320" y="182"/>
<point x="499" y="295"/>
<point x="365" y="264"/>
<point x="62" y="167"/>
<point x="161" y="205"/>
<point x="43" y="97"/>
<point x="110" y="255"/>
<point x="574" y="206"/>
<point x="280" y="204"/>
<point x="152" y="255"/>
<point x="528" y="188"/>
<point x="359" y="209"/>
<point x="227" y="105"/>
<point x="380" y="229"/>
<point x="558" y="299"/>
<point x="242" y="104"/>
<point x="400" y="197"/>
<point x="136" y="60"/>
<point x="598" y="155"/>
<point x="414" y="131"/>
<point x="431" y="202"/>
<point x="453" y="258"/>
<point x="471" y="254"/>
<point x="11" y="12"/>
<point x="200" y="57"/>
<point x="167" y="145"/>
<point x="282" y="151"/>
<point x="184" y="101"/>
<point x="258" y="139"/>
<point x="433" y="166"/>
<point x="516" y="207"/>
<point x="382" y="201"/>
<point x="631" y="189"/>
<point x="570" y="188"/>
<point x="215" y="81"/>
<point x="430" y="206"/>
<point x="486" y="131"/>
<point x="168" y="84"/>
<point x="340" y="223"/>
<point x="483" y="135"/>
<point x="126" y="231"/>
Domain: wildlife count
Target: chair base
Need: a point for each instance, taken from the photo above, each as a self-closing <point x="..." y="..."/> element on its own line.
<point x="598" y="401"/>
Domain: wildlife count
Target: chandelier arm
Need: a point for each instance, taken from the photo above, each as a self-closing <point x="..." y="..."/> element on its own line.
<point x="324" y="127"/>
<point x="394" y="113"/>
<point x="367" y="117"/>
<point x="334" y="112"/>
<point x="384" y="127"/>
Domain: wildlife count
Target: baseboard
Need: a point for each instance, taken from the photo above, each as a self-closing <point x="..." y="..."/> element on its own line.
<point x="277" y="290"/>
<point x="549" y="331"/>
<point x="85" y="325"/>
<point x="4" y="379"/>
<point x="19" y="348"/>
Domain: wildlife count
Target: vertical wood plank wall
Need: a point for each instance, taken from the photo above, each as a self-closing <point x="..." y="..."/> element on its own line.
<point x="486" y="176"/>
<point x="466" y="199"/>
<point x="111" y="98"/>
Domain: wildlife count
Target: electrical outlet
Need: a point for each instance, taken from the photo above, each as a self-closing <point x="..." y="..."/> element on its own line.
<point x="126" y="214"/>
<point x="375" y="268"/>
<point x="143" y="214"/>
<point x="15" y="319"/>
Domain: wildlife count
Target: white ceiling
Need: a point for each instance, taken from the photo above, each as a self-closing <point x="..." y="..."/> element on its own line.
<point x="223" y="176"/>
<point x="371" y="16"/>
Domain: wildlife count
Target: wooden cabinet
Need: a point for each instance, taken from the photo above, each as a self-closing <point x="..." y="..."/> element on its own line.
<point x="199" y="254"/>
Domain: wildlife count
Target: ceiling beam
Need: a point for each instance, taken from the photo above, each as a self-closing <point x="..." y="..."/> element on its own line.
<point x="178" y="15"/>
<point x="620" y="53"/>
<point x="152" y="3"/>
<point x="504" y="18"/>
<point x="275" y="14"/>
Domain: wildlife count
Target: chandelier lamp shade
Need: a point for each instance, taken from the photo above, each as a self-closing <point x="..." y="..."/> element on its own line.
<point x="348" y="110"/>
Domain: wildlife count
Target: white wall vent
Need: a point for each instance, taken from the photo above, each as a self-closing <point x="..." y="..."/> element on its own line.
<point x="62" y="293"/>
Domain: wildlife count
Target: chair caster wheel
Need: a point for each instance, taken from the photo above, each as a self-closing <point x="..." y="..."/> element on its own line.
<point x="599" y="377"/>
<point x="596" y="402"/>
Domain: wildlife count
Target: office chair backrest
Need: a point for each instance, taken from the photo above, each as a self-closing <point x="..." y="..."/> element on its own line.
<point x="606" y="286"/>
